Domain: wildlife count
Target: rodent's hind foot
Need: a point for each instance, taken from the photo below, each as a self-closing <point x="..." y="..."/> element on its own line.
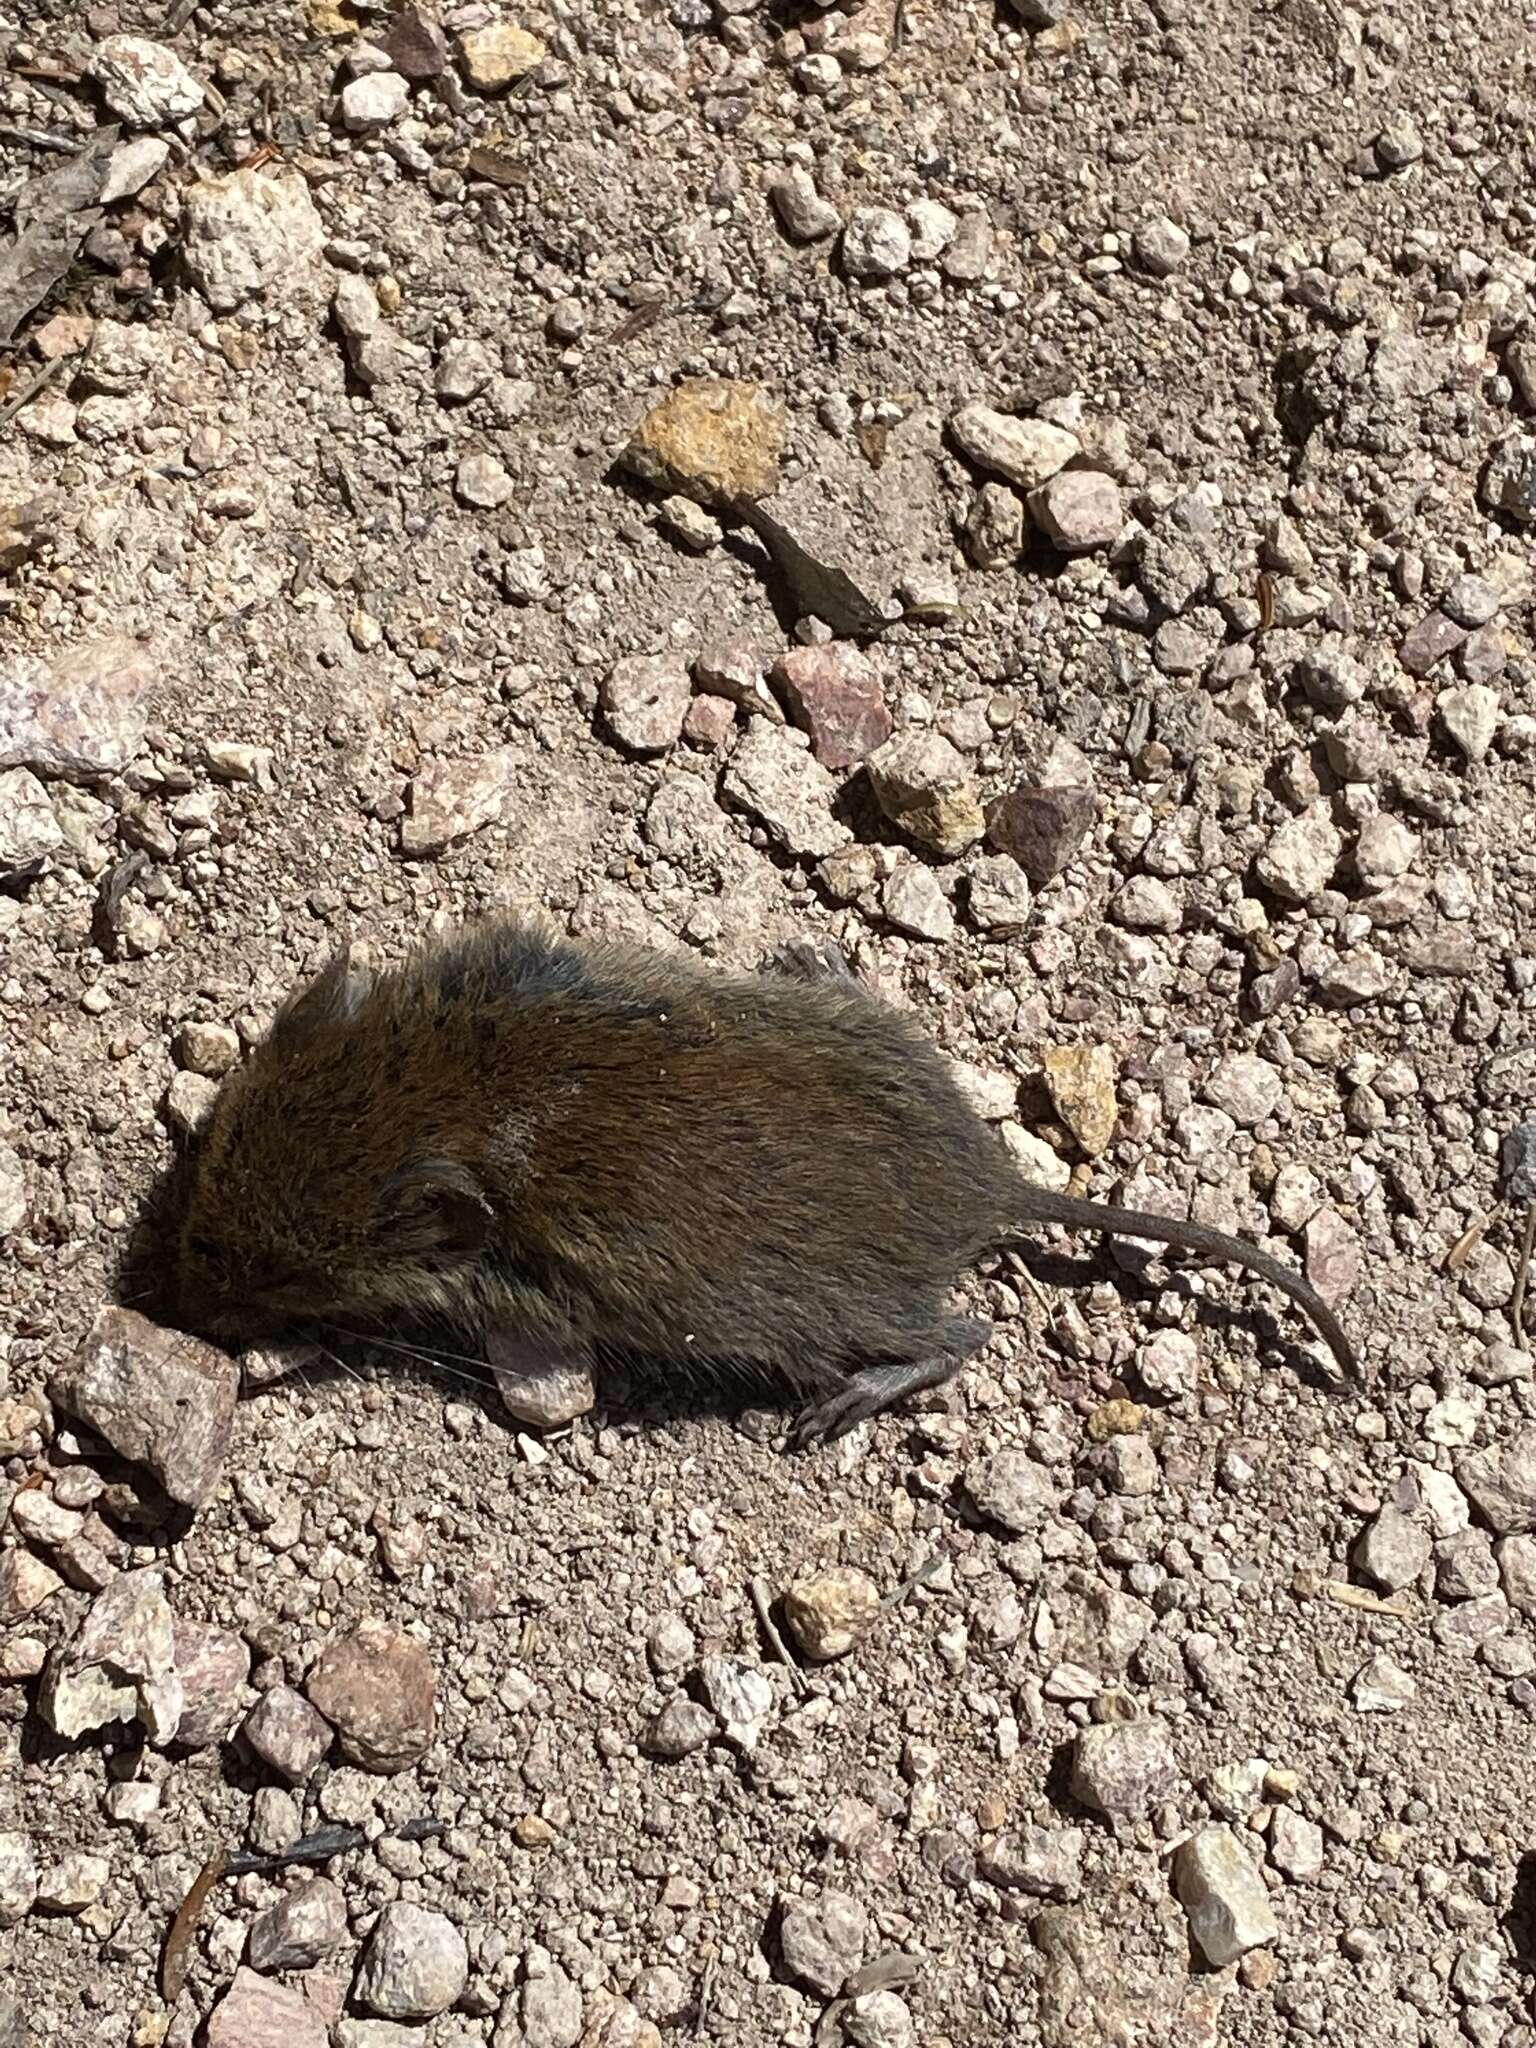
<point x="811" y="960"/>
<point x="874" y="1388"/>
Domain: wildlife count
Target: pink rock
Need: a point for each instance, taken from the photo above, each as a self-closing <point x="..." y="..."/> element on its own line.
<point x="378" y="1689"/>
<point x="645" y="700"/>
<point x="213" y="1666"/>
<point x="287" y="1733"/>
<point x="836" y="693"/>
<point x="254" y="2013"/>
<point x="161" y="1399"/>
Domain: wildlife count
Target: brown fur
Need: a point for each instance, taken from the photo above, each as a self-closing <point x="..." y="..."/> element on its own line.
<point x="606" y="1150"/>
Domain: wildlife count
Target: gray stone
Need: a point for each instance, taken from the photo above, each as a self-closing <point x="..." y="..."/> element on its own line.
<point x="741" y="1696"/>
<point x="119" y="1666"/>
<point x="1500" y="1482"/>
<point x="1160" y="246"/>
<point x="804" y="215"/>
<point x="1145" y="904"/>
<point x="542" y="1397"/>
<point x="552" y="2012"/>
<point x="822" y="1940"/>
<point x="1296" y="1845"/>
<point x="1381" y="1687"/>
<point x="645" y="699"/>
<point x="286" y="1733"/>
<point x="1392" y="1550"/>
<point x="876" y="244"/>
<point x="1047" y="1863"/>
<point x="1472" y="601"/>
<point x="1224" y="1896"/>
<point x="415" y="1965"/>
<point x="463" y="370"/>
<point x="1509" y="481"/>
<point x="681" y="1727"/>
<point x="774" y="776"/>
<point x="1124" y="1767"/>
<point x="1429" y="642"/>
<point x="998" y="896"/>
<point x="1516" y="1557"/>
<point x="1011" y="1489"/>
<point x="994" y="527"/>
<point x="1470" y="714"/>
<point x="373" y="102"/>
<point x="160" y="1399"/>
<point x="1041" y="827"/>
<point x="482" y="482"/>
<point x="18" y="1876"/>
<point x="876" y="2019"/>
<point x="29" y="829"/>
<point x="1465" y="1566"/>
<point x="73" y="1883"/>
<point x="1246" y="1087"/>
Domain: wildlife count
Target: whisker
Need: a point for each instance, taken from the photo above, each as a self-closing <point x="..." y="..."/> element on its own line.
<point x="438" y="1359"/>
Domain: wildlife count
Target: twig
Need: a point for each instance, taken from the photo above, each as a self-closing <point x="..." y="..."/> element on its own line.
<point x="1522" y="1271"/>
<point x="31" y="388"/>
<point x="40" y="138"/>
<point x="762" y="1600"/>
<point x="178" y="1943"/>
<point x="706" y="1994"/>
<point x="920" y="1577"/>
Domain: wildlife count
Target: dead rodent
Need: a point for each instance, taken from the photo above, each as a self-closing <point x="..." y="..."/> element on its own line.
<point x="592" y="1150"/>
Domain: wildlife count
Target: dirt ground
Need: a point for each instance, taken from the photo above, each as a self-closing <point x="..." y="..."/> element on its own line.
<point x="1207" y="1709"/>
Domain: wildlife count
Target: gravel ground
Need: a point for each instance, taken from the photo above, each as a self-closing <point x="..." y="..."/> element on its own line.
<point x="1165" y="373"/>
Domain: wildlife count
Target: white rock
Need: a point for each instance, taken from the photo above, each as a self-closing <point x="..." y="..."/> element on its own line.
<point x="1224" y="1896"/>
<point x="933" y="229"/>
<point x="1160" y="246"/>
<point x="1382" y="1687"/>
<point x="246" y="231"/>
<point x="876" y="244"/>
<point x="1392" y="1550"/>
<point x="1299" y="861"/>
<point x="144" y="83"/>
<point x="1027" y="452"/>
<point x="915" y="904"/>
<point x="133" y="165"/>
<point x="82" y="712"/>
<point x="371" y="103"/>
<point x="482" y="482"/>
<point x="1078" y="510"/>
<point x="28" y="827"/>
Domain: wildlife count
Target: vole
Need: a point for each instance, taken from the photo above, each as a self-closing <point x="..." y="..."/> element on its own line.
<point x="593" y="1149"/>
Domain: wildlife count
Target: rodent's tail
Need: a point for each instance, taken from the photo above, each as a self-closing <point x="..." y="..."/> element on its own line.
<point x="1032" y="1205"/>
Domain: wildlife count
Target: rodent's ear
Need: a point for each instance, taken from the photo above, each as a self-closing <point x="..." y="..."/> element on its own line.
<point x="337" y="993"/>
<point x="434" y="1205"/>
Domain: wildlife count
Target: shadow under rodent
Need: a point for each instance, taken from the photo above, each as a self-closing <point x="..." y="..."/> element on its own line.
<point x="596" y="1151"/>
